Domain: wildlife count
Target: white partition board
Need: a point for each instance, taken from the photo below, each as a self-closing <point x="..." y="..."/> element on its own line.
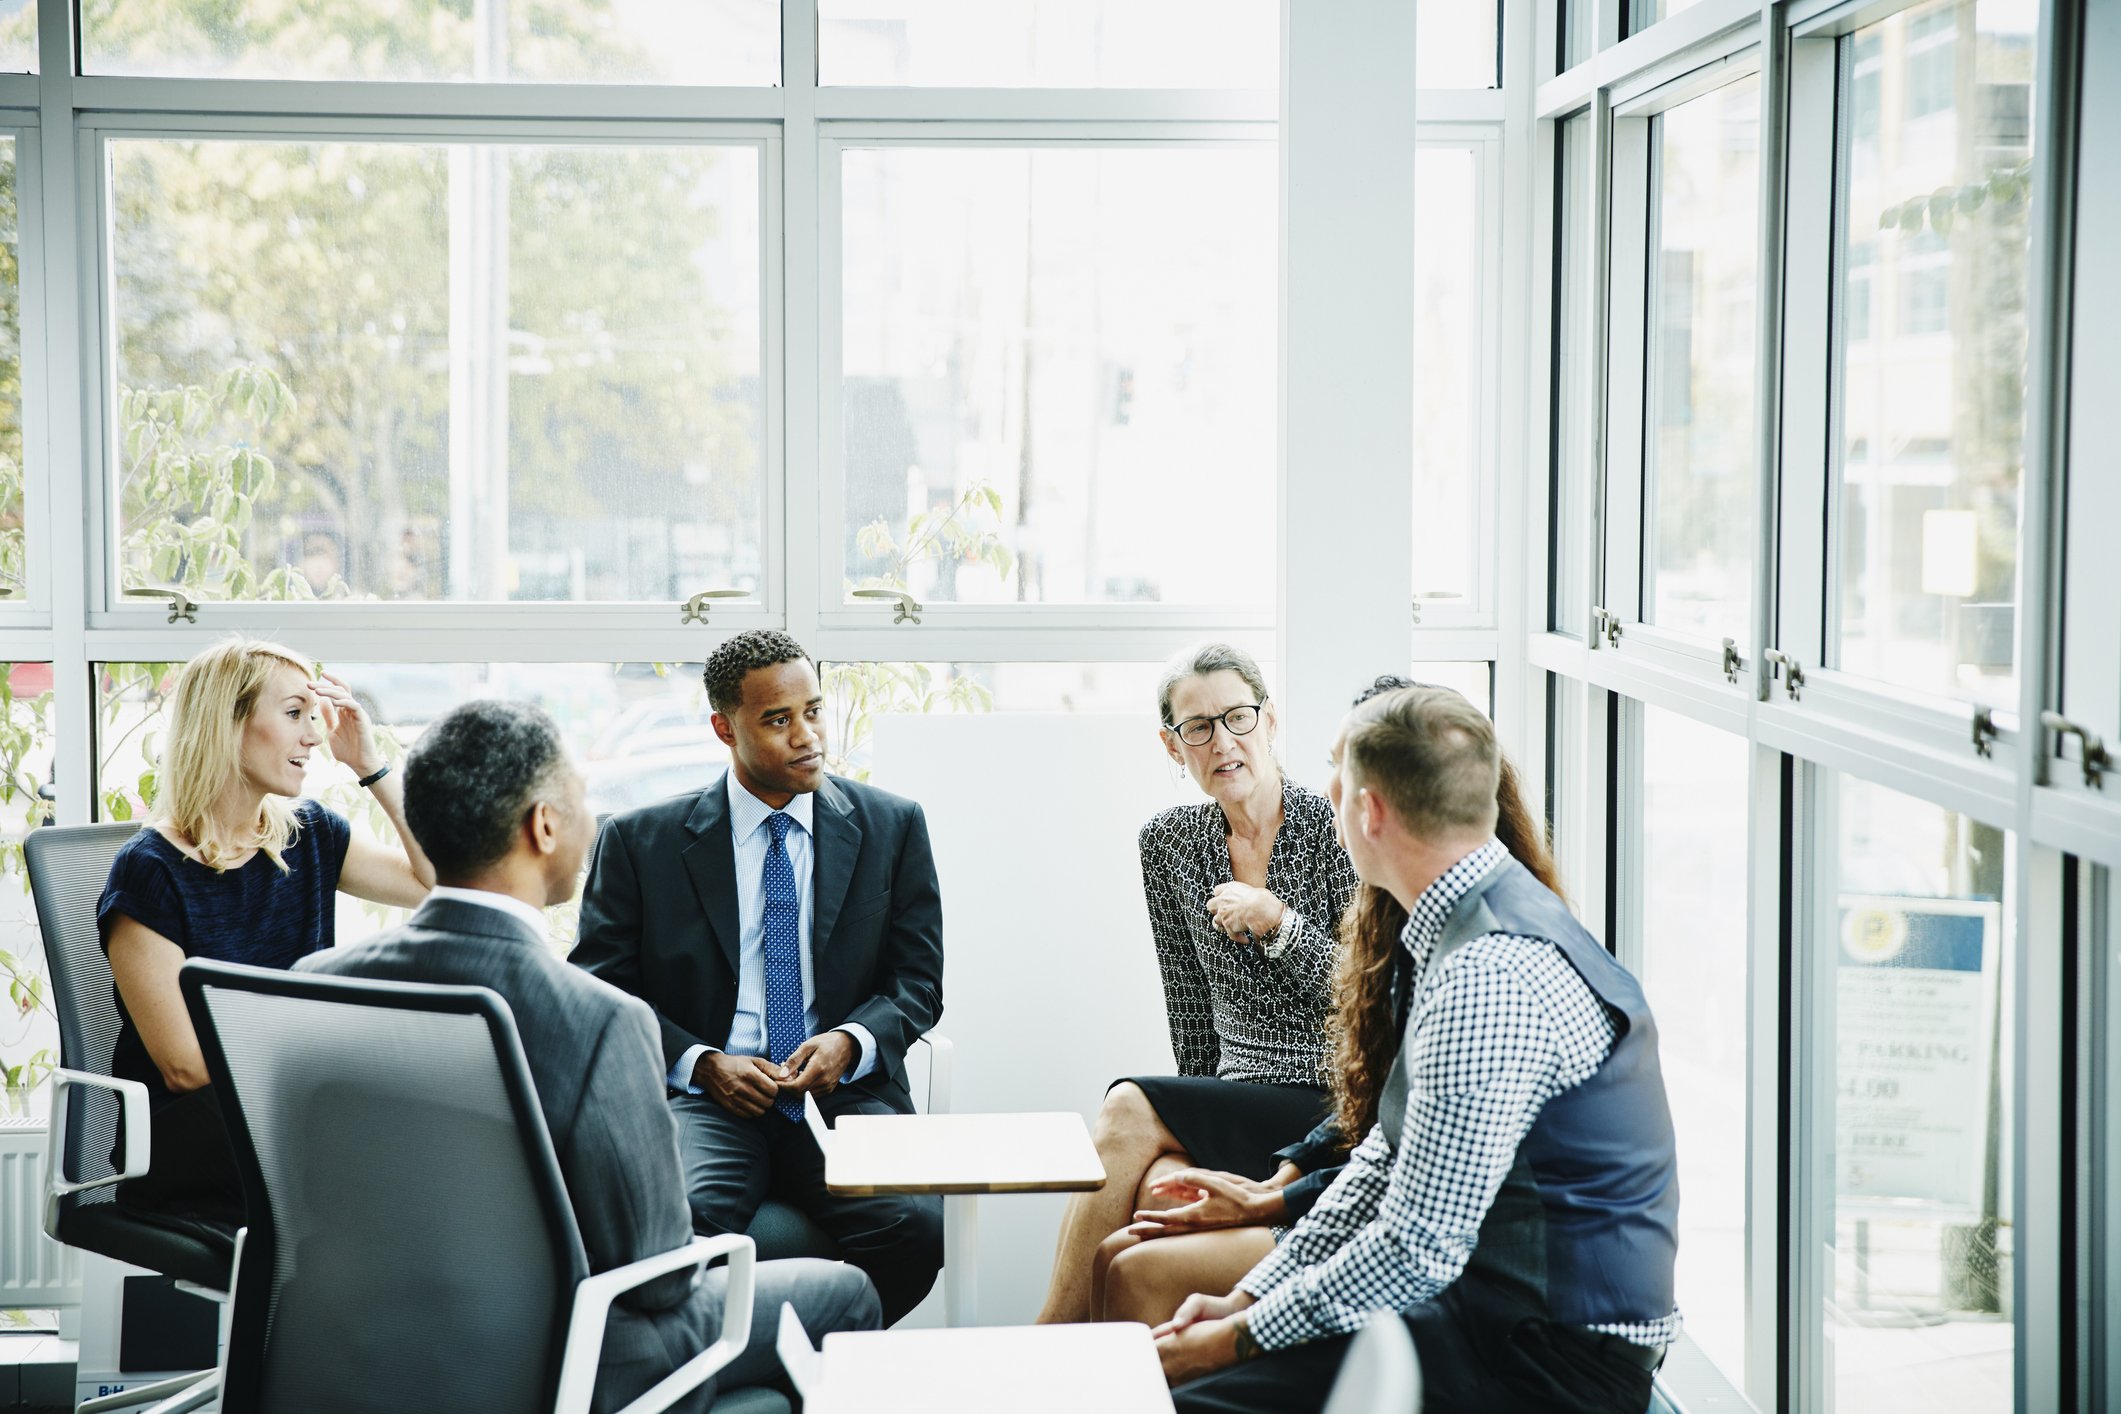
<point x="1050" y="985"/>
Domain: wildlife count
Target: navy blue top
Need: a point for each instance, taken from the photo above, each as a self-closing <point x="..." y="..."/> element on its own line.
<point x="252" y="914"/>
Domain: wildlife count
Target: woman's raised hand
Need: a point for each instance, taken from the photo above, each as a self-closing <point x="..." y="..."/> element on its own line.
<point x="1242" y="911"/>
<point x="353" y="737"/>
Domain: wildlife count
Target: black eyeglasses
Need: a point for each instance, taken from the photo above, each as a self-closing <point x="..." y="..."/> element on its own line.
<point x="1199" y="731"/>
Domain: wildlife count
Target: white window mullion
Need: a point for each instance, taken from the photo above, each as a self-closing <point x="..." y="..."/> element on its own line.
<point x="806" y="313"/>
<point x="71" y="530"/>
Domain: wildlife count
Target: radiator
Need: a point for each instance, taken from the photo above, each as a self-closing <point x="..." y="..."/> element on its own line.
<point x="35" y="1272"/>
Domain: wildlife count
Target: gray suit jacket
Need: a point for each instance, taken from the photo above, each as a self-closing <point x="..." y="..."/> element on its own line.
<point x="659" y="920"/>
<point x="592" y="1052"/>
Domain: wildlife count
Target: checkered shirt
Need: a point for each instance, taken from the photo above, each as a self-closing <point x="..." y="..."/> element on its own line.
<point x="1501" y="1026"/>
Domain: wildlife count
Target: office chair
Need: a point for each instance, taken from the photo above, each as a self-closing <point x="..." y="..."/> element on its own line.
<point x="1381" y="1374"/>
<point x="410" y="1244"/>
<point x="68" y="867"/>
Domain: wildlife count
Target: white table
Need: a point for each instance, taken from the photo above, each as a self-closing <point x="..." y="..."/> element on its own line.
<point x="1101" y="1369"/>
<point x="959" y="1156"/>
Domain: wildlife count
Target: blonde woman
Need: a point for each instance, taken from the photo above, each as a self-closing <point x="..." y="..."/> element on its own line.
<point x="234" y="867"/>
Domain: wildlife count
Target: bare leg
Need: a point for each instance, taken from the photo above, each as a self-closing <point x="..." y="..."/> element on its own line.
<point x="1164" y="1167"/>
<point x="1146" y="1281"/>
<point x="1130" y="1137"/>
<point x="1101" y="1266"/>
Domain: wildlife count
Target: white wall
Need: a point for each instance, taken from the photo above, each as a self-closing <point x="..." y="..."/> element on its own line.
<point x="1050" y="987"/>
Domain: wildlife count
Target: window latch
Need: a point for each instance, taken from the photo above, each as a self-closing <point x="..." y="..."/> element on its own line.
<point x="1984" y="731"/>
<point x="1792" y="670"/>
<point x="1606" y="624"/>
<point x="694" y="610"/>
<point x="909" y="608"/>
<point x="2092" y="753"/>
<point x="1732" y="663"/>
<point x="181" y="606"/>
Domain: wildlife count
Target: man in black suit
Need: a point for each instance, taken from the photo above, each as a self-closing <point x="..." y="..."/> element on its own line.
<point x="787" y="929"/>
<point x="493" y="801"/>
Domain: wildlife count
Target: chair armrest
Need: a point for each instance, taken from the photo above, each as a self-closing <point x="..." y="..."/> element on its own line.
<point x="133" y="1095"/>
<point x="942" y="1063"/>
<point x="592" y="1308"/>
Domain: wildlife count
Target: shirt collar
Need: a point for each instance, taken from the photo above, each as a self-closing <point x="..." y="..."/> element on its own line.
<point x="1433" y="909"/>
<point x="486" y="898"/>
<point x="747" y="813"/>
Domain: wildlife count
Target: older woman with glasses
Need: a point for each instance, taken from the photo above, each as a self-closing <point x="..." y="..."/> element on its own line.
<point x="1245" y="892"/>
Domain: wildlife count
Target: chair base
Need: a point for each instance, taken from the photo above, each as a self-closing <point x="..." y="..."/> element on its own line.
<point x="196" y="1387"/>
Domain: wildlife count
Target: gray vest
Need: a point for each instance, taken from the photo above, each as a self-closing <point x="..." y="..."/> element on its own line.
<point x="1586" y="1222"/>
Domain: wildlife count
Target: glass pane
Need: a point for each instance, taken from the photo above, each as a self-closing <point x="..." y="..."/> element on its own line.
<point x="1050" y="43"/>
<point x="639" y="732"/>
<point x="1475" y="681"/>
<point x="1456" y="44"/>
<point x="1917" y="921"/>
<point x="1933" y="332"/>
<point x="1575" y="32"/>
<point x="13" y="530"/>
<point x="1571" y="506"/>
<point x="1699" y="506"/>
<point x="29" y="1031"/>
<point x="488" y="41"/>
<point x="1692" y="873"/>
<point x="415" y="372"/>
<point x="18" y="36"/>
<point x="1644" y="13"/>
<point x="1448" y="363"/>
<point x="1058" y="374"/>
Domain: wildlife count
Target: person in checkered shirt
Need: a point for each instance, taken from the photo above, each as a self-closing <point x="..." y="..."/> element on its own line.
<point x="1517" y="1202"/>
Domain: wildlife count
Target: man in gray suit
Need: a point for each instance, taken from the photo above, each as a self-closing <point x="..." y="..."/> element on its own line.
<point x="494" y="802"/>
<point x="787" y="929"/>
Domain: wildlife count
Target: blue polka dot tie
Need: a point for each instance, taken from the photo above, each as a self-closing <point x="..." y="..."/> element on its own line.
<point x="784" y="963"/>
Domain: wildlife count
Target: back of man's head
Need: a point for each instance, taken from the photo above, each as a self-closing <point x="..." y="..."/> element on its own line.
<point x="1431" y="756"/>
<point x="472" y="778"/>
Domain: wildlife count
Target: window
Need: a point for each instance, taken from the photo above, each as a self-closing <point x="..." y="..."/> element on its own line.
<point x="1474" y="681"/>
<point x="29" y="1035"/>
<point x="1932" y="405"/>
<point x="13" y="508"/>
<point x="1691" y="877"/>
<point x="1058" y="373"/>
<point x="545" y="41"/>
<point x="1050" y="43"/>
<point x="1570" y="454"/>
<point x="1914" y="932"/>
<point x="1644" y="13"/>
<point x="1700" y="450"/>
<point x="1449" y="358"/>
<point x="411" y="371"/>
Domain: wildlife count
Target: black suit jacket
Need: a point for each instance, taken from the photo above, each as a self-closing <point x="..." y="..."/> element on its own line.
<point x="659" y="920"/>
<point x="592" y="1054"/>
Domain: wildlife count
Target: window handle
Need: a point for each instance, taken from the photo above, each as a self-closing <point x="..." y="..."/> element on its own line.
<point x="180" y="603"/>
<point x="1792" y="670"/>
<point x="1607" y="624"/>
<point x="909" y="608"/>
<point x="694" y="610"/>
<point x="2091" y="751"/>
<point x="1732" y="663"/>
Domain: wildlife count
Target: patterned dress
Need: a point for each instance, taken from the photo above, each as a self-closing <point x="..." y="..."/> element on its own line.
<point x="1244" y="1010"/>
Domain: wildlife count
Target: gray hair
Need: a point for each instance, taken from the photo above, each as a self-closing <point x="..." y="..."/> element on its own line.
<point x="472" y="777"/>
<point x="1200" y="662"/>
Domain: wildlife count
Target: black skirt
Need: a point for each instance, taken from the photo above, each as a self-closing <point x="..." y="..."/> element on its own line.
<point x="1230" y="1125"/>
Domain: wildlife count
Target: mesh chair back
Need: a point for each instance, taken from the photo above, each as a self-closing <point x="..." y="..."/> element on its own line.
<point x="68" y="867"/>
<point x="411" y="1244"/>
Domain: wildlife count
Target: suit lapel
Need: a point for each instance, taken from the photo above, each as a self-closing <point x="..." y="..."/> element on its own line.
<point x="838" y="842"/>
<point x="711" y="861"/>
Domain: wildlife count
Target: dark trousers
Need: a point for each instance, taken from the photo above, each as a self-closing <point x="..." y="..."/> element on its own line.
<point x="191" y="1168"/>
<point x="1482" y="1352"/>
<point x="733" y="1164"/>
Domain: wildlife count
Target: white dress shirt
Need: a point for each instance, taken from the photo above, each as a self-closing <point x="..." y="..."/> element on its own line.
<point x="487" y="898"/>
<point x="751" y="838"/>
